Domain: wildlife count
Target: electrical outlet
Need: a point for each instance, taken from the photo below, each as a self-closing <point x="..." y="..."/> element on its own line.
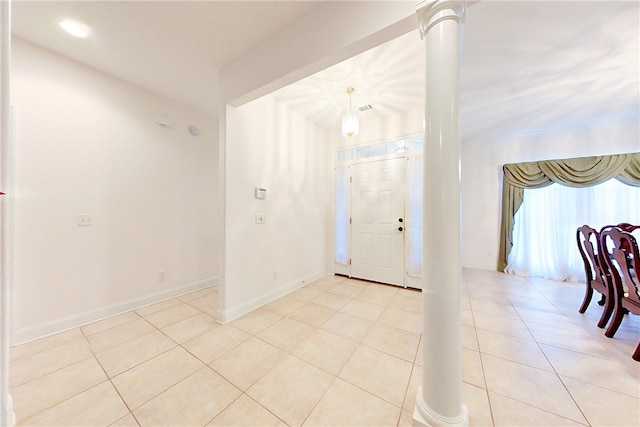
<point x="261" y="219"/>
<point x="84" y="220"/>
<point x="161" y="276"/>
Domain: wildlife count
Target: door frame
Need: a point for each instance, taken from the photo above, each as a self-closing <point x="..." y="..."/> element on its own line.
<point x="404" y="178"/>
<point x="344" y="269"/>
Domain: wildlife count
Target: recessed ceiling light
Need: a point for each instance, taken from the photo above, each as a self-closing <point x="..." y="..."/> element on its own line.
<point x="75" y="28"/>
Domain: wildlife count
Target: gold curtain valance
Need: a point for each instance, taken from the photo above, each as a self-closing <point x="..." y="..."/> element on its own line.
<point x="576" y="172"/>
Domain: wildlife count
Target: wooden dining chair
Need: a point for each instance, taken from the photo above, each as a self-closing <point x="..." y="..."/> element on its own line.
<point x="623" y="260"/>
<point x="597" y="275"/>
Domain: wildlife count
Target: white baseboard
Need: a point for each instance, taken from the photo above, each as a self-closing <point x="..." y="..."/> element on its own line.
<point x="239" y="310"/>
<point x="31" y="333"/>
<point x="480" y="265"/>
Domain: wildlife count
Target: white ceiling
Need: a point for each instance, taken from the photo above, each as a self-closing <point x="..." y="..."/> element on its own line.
<point x="529" y="67"/>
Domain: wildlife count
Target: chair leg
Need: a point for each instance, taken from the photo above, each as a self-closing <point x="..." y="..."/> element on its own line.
<point x="587" y="298"/>
<point x="603" y="300"/>
<point x="618" y="314"/>
<point x="636" y="355"/>
<point x="606" y="313"/>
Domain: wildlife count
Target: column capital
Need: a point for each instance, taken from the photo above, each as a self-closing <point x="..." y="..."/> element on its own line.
<point x="432" y="12"/>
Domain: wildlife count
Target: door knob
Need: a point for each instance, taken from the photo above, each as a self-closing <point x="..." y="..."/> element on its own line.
<point x="400" y="220"/>
<point x="399" y="228"/>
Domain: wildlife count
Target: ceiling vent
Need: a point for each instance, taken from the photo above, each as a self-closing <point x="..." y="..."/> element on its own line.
<point x="365" y="107"/>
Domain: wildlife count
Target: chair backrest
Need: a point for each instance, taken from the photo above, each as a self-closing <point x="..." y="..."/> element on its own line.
<point x="625" y="226"/>
<point x="623" y="260"/>
<point x="588" y="238"/>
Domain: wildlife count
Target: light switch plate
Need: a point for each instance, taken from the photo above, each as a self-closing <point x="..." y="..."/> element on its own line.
<point x="84" y="220"/>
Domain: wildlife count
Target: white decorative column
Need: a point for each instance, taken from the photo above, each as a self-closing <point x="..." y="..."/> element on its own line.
<point x="438" y="402"/>
<point x="7" y="417"/>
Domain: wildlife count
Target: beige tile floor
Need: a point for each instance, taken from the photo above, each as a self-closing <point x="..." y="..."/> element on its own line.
<point x="338" y="352"/>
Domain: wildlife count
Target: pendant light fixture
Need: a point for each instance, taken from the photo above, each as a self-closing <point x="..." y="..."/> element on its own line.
<point x="350" y="122"/>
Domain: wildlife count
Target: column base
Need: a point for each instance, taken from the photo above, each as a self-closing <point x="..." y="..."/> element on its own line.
<point x="423" y="416"/>
<point x="7" y="416"/>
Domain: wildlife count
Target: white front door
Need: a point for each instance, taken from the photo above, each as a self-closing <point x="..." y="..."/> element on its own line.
<point x="377" y="216"/>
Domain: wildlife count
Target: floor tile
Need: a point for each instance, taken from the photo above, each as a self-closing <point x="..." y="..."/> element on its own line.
<point x="602" y="372"/>
<point x="109" y="323"/>
<point x="190" y="327"/>
<point x="194" y="401"/>
<point x="603" y="407"/>
<point x="147" y="380"/>
<point x="125" y="356"/>
<point x="528" y="358"/>
<point x="126" y="421"/>
<point x="477" y="401"/>
<point x="512" y="413"/>
<point x="38" y="364"/>
<point x="286" y="334"/>
<point x="415" y="381"/>
<point x="326" y="351"/>
<point x="347" y="290"/>
<point x="284" y="305"/>
<point x="495" y="309"/>
<point x="469" y="338"/>
<point x="120" y="334"/>
<point x="305" y="294"/>
<point x="256" y="321"/>
<point x="98" y="406"/>
<point x="216" y="342"/>
<point x="291" y="390"/>
<point x="161" y="319"/>
<point x="364" y="310"/>
<point x="526" y="352"/>
<point x="246" y="412"/>
<point x="312" y="315"/>
<point x="379" y="294"/>
<point x="406" y="419"/>
<point x="396" y="342"/>
<point x="407" y="300"/>
<point x="347" y="405"/>
<point x="347" y="326"/>
<point x="49" y="390"/>
<point x="42" y="344"/>
<point x="569" y="340"/>
<point x="159" y="306"/>
<point x="503" y="325"/>
<point x="206" y="303"/>
<point x="378" y="373"/>
<point x="248" y="362"/>
<point x="472" y="371"/>
<point x="401" y="319"/>
<point x="205" y="292"/>
<point x="537" y="387"/>
<point x="332" y="301"/>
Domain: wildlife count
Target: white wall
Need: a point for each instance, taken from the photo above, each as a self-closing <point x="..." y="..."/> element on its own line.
<point x="482" y="177"/>
<point x="271" y="147"/>
<point x="87" y="143"/>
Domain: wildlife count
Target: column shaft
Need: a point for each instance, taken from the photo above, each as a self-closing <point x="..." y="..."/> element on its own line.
<point x="439" y="399"/>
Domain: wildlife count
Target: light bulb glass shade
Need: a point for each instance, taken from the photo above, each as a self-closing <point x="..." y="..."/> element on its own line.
<point x="350" y="125"/>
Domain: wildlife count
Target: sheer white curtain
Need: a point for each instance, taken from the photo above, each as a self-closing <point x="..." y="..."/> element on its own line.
<point x="414" y="215"/>
<point x="342" y="214"/>
<point x="544" y="234"/>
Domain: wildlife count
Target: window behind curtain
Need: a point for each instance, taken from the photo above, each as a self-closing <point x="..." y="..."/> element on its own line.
<point x="544" y="235"/>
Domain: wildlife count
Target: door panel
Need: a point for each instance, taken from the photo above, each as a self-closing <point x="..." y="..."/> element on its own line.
<point x="377" y="203"/>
